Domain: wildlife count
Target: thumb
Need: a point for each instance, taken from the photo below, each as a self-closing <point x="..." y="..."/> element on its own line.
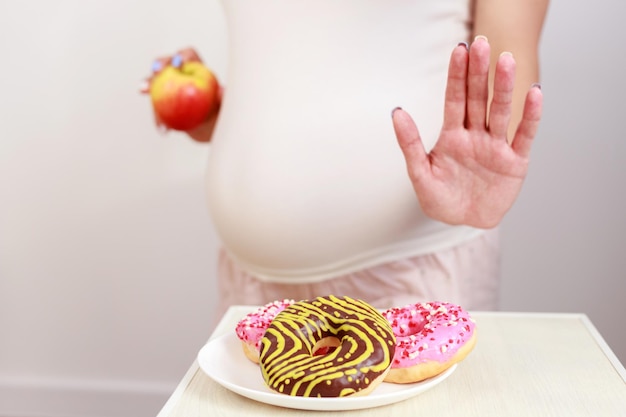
<point x="410" y="142"/>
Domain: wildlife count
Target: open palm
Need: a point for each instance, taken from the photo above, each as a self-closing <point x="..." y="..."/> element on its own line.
<point x="473" y="174"/>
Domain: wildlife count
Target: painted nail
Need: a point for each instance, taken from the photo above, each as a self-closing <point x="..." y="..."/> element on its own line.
<point x="157" y="66"/>
<point x="465" y="44"/>
<point x="177" y="61"/>
<point x="536" y="85"/>
<point x="394" y="110"/>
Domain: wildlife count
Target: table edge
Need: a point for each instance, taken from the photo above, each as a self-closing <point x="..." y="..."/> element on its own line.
<point x="179" y="390"/>
<point x="219" y="329"/>
<point x="604" y="346"/>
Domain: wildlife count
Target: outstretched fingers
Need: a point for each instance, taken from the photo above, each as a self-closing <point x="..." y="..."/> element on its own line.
<point x="502" y="101"/>
<point x="418" y="165"/>
<point x="527" y="129"/>
<point x="456" y="89"/>
<point x="478" y="83"/>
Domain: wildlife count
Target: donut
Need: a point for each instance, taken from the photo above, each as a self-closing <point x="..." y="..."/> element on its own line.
<point x="251" y="328"/>
<point x="431" y="337"/>
<point x="358" y="346"/>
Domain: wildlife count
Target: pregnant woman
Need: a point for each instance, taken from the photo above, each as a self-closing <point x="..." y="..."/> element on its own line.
<point x="314" y="189"/>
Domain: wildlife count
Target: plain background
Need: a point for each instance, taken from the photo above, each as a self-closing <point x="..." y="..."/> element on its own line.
<point x="107" y="254"/>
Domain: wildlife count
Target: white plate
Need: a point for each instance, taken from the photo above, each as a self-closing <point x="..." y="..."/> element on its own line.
<point x="223" y="360"/>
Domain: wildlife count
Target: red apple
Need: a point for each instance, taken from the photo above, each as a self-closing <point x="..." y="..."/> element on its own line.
<point x="184" y="97"/>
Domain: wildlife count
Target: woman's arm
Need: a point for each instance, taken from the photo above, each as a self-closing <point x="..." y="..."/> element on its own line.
<point x="475" y="171"/>
<point x="513" y="26"/>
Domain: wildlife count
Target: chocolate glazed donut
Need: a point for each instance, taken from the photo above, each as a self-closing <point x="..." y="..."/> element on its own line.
<point x="357" y="342"/>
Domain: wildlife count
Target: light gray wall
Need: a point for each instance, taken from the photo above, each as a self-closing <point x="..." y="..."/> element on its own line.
<point x="106" y="250"/>
<point x="564" y="241"/>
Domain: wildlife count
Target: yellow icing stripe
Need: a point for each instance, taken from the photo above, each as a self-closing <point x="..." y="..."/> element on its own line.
<point x="366" y="347"/>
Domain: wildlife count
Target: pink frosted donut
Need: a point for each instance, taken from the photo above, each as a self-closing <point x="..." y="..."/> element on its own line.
<point x="430" y="338"/>
<point x="251" y="328"/>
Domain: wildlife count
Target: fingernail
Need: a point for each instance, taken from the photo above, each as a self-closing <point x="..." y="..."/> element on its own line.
<point x="506" y="53"/>
<point x="394" y="110"/>
<point x="536" y="85"/>
<point x="481" y="37"/>
<point x="465" y="44"/>
<point x="157" y="66"/>
<point x="177" y="61"/>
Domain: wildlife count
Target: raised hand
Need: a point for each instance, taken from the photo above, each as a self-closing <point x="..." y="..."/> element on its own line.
<point x="474" y="173"/>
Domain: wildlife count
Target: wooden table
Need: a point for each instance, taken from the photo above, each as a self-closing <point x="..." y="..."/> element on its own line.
<point x="524" y="364"/>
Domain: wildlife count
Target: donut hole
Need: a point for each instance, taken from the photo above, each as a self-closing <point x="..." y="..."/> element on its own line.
<point x="325" y="345"/>
<point x="413" y="327"/>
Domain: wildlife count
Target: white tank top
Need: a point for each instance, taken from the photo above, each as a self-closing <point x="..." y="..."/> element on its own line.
<point x="306" y="180"/>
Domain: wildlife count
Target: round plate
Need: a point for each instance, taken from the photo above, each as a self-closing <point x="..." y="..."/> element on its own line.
<point x="223" y="360"/>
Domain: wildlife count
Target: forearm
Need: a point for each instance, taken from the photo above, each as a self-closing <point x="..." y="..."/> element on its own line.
<point x="513" y="26"/>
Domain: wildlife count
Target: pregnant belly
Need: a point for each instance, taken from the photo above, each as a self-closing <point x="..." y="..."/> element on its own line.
<point x="299" y="196"/>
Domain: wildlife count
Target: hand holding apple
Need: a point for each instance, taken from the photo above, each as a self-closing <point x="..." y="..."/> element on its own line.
<point x="184" y="96"/>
